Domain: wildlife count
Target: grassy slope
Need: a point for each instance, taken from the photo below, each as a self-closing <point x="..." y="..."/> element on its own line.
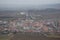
<point x="3" y="37"/>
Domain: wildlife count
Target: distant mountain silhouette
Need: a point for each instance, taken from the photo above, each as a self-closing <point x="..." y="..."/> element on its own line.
<point x="32" y="7"/>
<point x="45" y="10"/>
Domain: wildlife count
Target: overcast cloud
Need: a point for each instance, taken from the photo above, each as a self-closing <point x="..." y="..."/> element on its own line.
<point x="17" y="3"/>
<point x="29" y="1"/>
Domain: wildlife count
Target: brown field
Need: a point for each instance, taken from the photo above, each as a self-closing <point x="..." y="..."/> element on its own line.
<point x="32" y="36"/>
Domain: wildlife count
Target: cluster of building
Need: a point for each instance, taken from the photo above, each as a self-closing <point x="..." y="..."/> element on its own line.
<point x="29" y="24"/>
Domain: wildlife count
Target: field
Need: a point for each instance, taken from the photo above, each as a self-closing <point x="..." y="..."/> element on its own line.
<point x="3" y="37"/>
<point x="32" y="36"/>
<point x="6" y="37"/>
<point x="28" y="36"/>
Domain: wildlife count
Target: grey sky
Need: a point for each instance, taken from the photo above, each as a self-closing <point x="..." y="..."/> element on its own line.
<point x="17" y="3"/>
<point x="20" y="2"/>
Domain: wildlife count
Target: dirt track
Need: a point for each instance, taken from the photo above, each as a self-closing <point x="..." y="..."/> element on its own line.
<point x="28" y="36"/>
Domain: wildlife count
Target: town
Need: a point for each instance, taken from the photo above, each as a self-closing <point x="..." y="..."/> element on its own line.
<point x="29" y="23"/>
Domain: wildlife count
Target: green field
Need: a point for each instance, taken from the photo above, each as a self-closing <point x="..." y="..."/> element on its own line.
<point x="4" y="37"/>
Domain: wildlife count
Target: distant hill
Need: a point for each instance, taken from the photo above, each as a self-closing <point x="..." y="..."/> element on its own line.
<point x="7" y="13"/>
<point x="32" y="7"/>
<point x="48" y="13"/>
<point x="49" y="10"/>
<point x="32" y="12"/>
<point x="45" y="11"/>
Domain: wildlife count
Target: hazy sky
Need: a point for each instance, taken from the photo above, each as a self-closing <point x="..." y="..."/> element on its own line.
<point x="29" y="1"/>
<point x="16" y="3"/>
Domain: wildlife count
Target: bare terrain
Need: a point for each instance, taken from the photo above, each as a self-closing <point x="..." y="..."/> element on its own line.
<point x="29" y="36"/>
